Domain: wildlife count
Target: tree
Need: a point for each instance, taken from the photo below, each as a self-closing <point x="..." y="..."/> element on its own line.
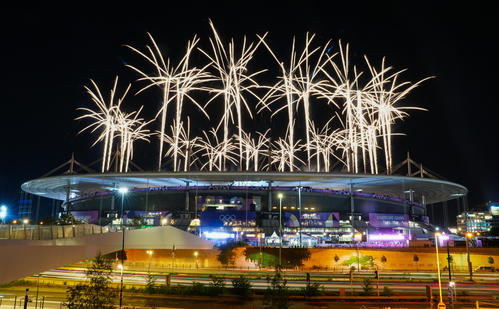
<point x="150" y="283"/>
<point x="97" y="292"/>
<point x="415" y="258"/>
<point x="227" y="255"/>
<point x="49" y="220"/>
<point x="291" y="257"/>
<point x="68" y="219"/>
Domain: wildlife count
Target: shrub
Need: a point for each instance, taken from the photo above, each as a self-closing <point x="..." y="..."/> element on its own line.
<point x="277" y="294"/>
<point x="463" y="293"/>
<point x="386" y="291"/>
<point x="197" y="289"/>
<point x="366" y="287"/>
<point x="311" y="289"/>
<point x="217" y="285"/>
<point x="241" y="287"/>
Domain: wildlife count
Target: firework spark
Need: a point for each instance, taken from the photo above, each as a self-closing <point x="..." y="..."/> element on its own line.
<point x="176" y="83"/>
<point x="232" y="73"/>
<point x="115" y="123"/>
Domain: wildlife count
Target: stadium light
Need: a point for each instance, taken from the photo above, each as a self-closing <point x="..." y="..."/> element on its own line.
<point x="123" y="190"/>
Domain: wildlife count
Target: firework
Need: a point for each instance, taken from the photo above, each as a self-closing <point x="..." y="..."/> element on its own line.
<point x="365" y="107"/>
<point x="232" y="73"/>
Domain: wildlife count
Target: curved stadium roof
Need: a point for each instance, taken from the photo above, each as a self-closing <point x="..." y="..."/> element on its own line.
<point x="82" y="184"/>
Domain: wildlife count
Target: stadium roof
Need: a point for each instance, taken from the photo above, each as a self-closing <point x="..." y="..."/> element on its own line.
<point x="433" y="189"/>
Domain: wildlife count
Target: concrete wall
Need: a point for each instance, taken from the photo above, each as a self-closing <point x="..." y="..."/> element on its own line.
<point x="324" y="259"/>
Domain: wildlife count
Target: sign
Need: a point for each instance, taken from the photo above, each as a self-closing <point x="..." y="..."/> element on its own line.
<point x="88" y="216"/>
<point x="388" y="220"/>
<point x="312" y="219"/>
<point x="150" y="217"/>
<point x="227" y="218"/>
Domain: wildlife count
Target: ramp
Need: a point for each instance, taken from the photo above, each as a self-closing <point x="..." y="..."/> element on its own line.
<point x="21" y="258"/>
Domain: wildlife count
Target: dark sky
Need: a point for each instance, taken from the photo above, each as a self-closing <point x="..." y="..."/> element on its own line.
<point x="48" y="55"/>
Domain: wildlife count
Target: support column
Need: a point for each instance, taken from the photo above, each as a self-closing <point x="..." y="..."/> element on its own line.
<point x="186" y="196"/>
<point x="53" y="210"/>
<point x="446" y="214"/>
<point x="433" y="214"/>
<point x="352" y="206"/>
<point x="423" y="201"/>
<point x="147" y="196"/>
<point x="37" y="213"/>
<point x="101" y="201"/>
<point x="299" y="215"/>
<point x="411" y="211"/>
<point x="269" y="206"/>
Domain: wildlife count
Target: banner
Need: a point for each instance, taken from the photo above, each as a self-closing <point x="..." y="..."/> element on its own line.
<point x="312" y="219"/>
<point x="227" y="218"/>
<point x="388" y="220"/>
<point x="87" y="216"/>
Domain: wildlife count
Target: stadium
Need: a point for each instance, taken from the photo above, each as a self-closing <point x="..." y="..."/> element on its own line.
<point x="303" y="158"/>
<point x="315" y="209"/>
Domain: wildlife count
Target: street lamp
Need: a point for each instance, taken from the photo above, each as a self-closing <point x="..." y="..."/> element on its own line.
<point x="196" y="255"/>
<point x="280" y="228"/>
<point x="149" y="253"/>
<point x="441" y="303"/>
<point x="122" y="191"/>
<point x="358" y="238"/>
<point x="3" y="213"/>
<point x="260" y="243"/>
<point x="468" y="237"/>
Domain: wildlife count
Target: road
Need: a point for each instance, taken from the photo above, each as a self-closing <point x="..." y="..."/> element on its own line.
<point x="488" y="285"/>
<point x="396" y="281"/>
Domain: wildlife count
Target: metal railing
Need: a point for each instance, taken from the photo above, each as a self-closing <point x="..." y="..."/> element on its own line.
<point x="48" y="232"/>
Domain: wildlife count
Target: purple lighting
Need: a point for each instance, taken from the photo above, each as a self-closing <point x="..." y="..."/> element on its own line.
<point x="386" y="237"/>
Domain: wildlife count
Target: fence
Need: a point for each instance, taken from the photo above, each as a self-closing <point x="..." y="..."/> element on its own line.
<point x="48" y="232"/>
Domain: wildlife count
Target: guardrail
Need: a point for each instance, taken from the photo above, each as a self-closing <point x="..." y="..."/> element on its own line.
<point x="49" y="232"/>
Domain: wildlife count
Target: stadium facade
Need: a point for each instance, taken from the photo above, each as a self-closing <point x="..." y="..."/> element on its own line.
<point x="314" y="209"/>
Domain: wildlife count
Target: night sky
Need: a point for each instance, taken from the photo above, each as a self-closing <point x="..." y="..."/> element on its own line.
<point x="48" y="56"/>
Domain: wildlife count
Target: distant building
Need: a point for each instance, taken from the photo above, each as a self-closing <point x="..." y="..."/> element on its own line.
<point x="481" y="221"/>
